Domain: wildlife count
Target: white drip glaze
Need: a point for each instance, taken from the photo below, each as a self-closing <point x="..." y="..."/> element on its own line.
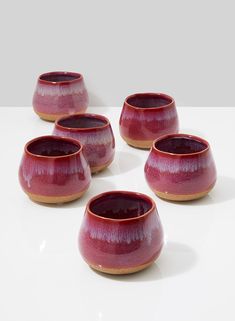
<point x="178" y="164"/>
<point x="112" y="233"/>
<point x="60" y="90"/>
<point x="164" y="115"/>
<point x="31" y="168"/>
<point x="102" y="137"/>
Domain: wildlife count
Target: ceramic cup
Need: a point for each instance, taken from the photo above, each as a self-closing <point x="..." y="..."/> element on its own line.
<point x="147" y="116"/>
<point x="121" y="232"/>
<point x="54" y="170"/>
<point x="96" y="135"/>
<point x="180" y="167"/>
<point x="58" y="94"/>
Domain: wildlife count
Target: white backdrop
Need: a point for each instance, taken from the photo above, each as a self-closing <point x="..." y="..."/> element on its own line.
<point x="184" y="48"/>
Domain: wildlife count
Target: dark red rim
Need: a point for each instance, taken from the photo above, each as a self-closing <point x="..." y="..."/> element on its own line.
<point x="78" y="76"/>
<point x="136" y="194"/>
<point x="161" y="95"/>
<point x="53" y="137"/>
<point x="94" y="116"/>
<point x="188" y="136"/>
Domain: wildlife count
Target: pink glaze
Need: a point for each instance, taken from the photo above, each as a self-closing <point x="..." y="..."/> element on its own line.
<point x="147" y="116"/>
<point x="120" y="230"/>
<point x="94" y="132"/>
<point x="180" y="164"/>
<point x="60" y="93"/>
<point x="54" y="166"/>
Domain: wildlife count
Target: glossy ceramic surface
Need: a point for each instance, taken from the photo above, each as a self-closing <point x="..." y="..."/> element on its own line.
<point x="95" y="134"/>
<point x="43" y="277"/>
<point x="180" y="167"/>
<point x="147" y="116"/>
<point x="121" y="232"/>
<point x="54" y="170"/>
<point x="58" y="94"/>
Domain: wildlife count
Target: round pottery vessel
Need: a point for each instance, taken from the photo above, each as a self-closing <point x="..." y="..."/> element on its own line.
<point x="95" y="134"/>
<point x="147" y="116"/>
<point x="58" y="94"/>
<point x="54" y="170"/>
<point x="121" y="232"/>
<point x="180" y="167"/>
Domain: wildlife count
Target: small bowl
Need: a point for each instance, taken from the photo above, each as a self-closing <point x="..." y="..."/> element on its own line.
<point x="96" y="135"/>
<point x="147" y="116"/>
<point x="54" y="170"/>
<point x="121" y="232"/>
<point x="180" y="167"/>
<point x="58" y="94"/>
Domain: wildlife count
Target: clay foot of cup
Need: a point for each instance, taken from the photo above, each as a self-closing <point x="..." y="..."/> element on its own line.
<point x="97" y="169"/>
<point x="54" y="199"/>
<point x="181" y="197"/>
<point x="49" y="117"/>
<point x="53" y="117"/>
<point x="143" y="144"/>
<point x="119" y="271"/>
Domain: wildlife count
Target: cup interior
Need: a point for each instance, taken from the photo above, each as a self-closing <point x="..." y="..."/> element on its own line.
<point x="118" y="206"/>
<point x="52" y="146"/>
<point x="82" y="121"/>
<point x="59" y="77"/>
<point x="149" y="100"/>
<point x="180" y="145"/>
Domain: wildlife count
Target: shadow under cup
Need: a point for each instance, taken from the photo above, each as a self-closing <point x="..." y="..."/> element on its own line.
<point x="180" y="167"/>
<point x="121" y="232"/>
<point x="96" y="135"/>
<point x="147" y="116"/>
<point x="54" y="170"/>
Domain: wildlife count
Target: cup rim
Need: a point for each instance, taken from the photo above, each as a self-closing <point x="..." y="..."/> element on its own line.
<point x="78" y="76"/>
<point x="150" y="94"/>
<point x="137" y="194"/>
<point x="53" y="137"/>
<point x="187" y="136"/>
<point x="89" y="115"/>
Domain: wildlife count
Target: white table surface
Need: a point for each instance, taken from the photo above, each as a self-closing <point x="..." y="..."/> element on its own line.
<point x="42" y="275"/>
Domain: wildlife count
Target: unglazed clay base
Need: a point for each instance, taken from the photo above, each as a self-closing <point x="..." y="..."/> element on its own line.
<point x="100" y="168"/>
<point x="144" y="144"/>
<point x="53" y="117"/>
<point x="182" y="198"/>
<point x="121" y="271"/>
<point x="49" y="117"/>
<point x="54" y="199"/>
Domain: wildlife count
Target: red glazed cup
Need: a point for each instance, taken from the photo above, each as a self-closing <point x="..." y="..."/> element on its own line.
<point x="58" y="94"/>
<point x="180" y="167"/>
<point x="121" y="232"/>
<point x="147" y="116"/>
<point x="54" y="170"/>
<point x="96" y="135"/>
